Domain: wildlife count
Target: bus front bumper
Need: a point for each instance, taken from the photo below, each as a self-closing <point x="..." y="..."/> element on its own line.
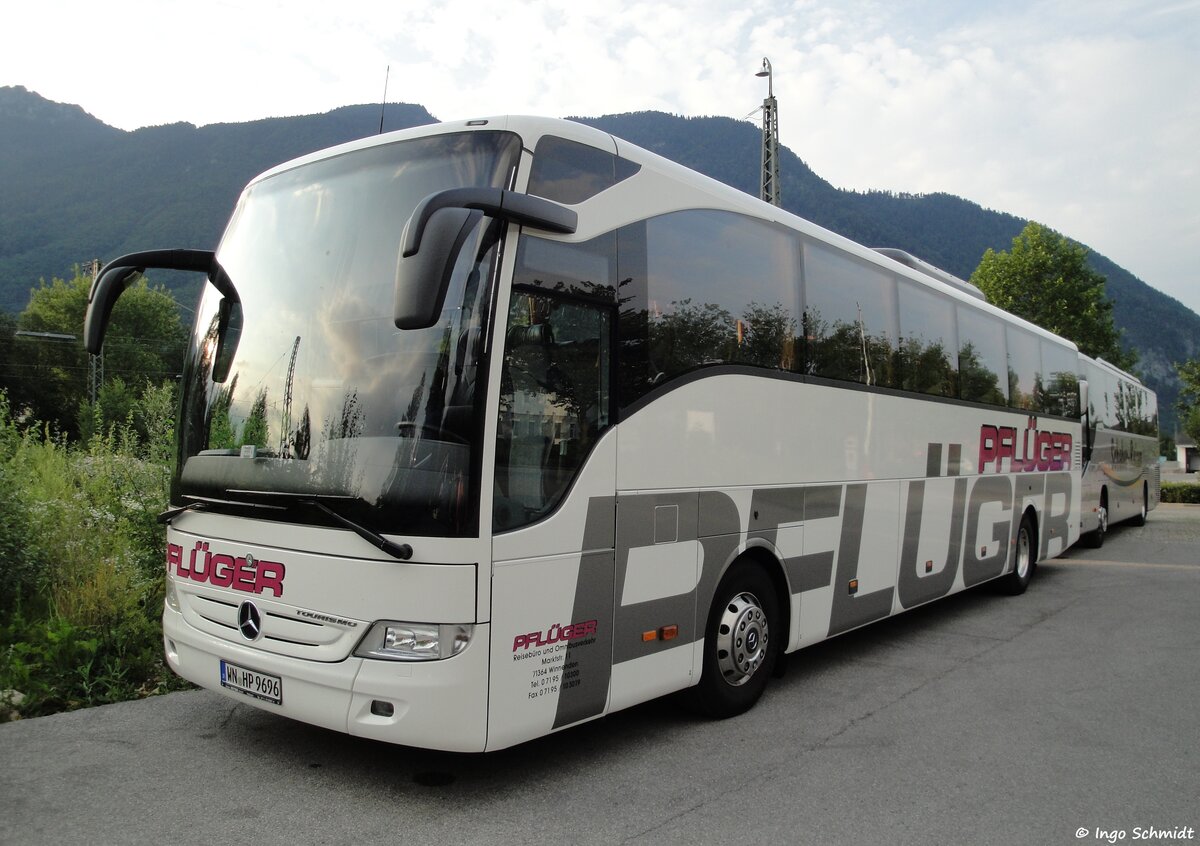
<point x="428" y="704"/>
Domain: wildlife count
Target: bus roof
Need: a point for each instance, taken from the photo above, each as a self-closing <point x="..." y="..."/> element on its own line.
<point x="681" y="188"/>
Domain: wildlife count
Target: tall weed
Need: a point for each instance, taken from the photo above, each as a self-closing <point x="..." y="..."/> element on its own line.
<point x="82" y="549"/>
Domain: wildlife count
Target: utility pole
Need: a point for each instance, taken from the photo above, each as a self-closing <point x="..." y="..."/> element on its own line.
<point x="770" y="142"/>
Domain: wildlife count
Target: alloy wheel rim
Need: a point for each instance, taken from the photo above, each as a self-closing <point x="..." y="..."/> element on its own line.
<point x="743" y="637"/>
<point x="1024" y="556"/>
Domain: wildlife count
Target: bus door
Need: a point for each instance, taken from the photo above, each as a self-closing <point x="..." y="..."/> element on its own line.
<point x="553" y="517"/>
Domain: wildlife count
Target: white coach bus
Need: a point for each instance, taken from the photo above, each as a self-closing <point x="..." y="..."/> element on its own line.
<point x="1121" y="474"/>
<point x="491" y="428"/>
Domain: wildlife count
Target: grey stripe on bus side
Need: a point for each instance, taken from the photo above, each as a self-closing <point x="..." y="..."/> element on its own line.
<point x="591" y="657"/>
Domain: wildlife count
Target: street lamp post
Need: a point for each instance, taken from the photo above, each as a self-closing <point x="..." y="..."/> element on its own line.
<point x="770" y="142"/>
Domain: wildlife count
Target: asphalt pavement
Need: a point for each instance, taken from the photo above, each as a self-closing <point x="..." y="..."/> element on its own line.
<point x="1066" y="715"/>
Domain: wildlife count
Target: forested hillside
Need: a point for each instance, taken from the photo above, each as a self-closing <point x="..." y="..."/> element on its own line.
<point x="74" y="188"/>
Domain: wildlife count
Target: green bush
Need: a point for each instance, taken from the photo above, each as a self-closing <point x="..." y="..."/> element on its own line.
<point x="81" y="556"/>
<point x="1187" y="492"/>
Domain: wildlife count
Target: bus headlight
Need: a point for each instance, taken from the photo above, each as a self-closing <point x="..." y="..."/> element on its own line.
<point x="395" y="641"/>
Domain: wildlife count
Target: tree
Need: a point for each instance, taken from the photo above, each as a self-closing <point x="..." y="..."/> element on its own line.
<point x="10" y="365"/>
<point x="1189" y="398"/>
<point x="256" y="430"/>
<point x="144" y="343"/>
<point x="1046" y="279"/>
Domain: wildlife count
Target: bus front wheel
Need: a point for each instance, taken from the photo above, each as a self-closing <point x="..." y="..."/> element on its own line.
<point x="741" y="642"/>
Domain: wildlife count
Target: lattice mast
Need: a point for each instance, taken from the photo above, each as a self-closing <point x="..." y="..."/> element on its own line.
<point x="285" y="447"/>
<point x="770" y="140"/>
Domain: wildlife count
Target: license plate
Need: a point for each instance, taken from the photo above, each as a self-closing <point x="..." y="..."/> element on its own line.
<point x="262" y="686"/>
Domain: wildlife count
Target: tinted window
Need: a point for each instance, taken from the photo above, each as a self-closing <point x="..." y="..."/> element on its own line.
<point x="1133" y="410"/>
<point x="928" y="349"/>
<point x="586" y="269"/>
<point x="1061" y="394"/>
<point x="1151" y="422"/>
<point x="1024" y="369"/>
<point x="849" y="317"/>
<point x="570" y="172"/>
<point x="982" y="360"/>
<point x="554" y="401"/>
<point x="1102" y="388"/>
<point x="719" y="288"/>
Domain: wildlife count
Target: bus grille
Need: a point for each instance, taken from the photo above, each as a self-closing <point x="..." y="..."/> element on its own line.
<point x="284" y="631"/>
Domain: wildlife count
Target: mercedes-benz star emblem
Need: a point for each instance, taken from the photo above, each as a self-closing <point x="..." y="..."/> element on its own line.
<point x="249" y="621"/>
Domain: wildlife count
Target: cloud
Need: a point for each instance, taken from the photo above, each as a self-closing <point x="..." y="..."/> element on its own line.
<point x="1084" y="114"/>
<point x="1079" y="116"/>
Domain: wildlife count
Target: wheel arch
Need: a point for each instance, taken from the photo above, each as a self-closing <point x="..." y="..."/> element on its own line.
<point x="1036" y="540"/>
<point x="767" y="558"/>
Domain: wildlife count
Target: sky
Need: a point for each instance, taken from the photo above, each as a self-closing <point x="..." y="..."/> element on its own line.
<point x="1081" y="114"/>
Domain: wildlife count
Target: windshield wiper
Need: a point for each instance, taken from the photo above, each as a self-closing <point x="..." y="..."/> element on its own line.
<point x="201" y="502"/>
<point x="171" y="513"/>
<point x="401" y="551"/>
<point x="397" y="550"/>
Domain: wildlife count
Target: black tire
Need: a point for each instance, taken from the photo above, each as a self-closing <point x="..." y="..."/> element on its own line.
<point x="1024" y="559"/>
<point x="1095" y="539"/>
<point x="1139" y="519"/>
<point x="741" y="643"/>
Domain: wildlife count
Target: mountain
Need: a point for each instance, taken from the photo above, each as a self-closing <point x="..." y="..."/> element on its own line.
<point x="944" y="230"/>
<point x="73" y="188"/>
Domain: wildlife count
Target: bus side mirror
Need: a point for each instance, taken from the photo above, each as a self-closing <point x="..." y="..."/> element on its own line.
<point x="229" y="332"/>
<point x="1085" y="418"/>
<point x="118" y="274"/>
<point x="423" y="277"/>
<point x="109" y="285"/>
<point x="436" y="231"/>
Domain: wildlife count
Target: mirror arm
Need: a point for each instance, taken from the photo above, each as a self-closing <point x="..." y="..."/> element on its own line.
<point x="496" y="202"/>
<point x="116" y="276"/>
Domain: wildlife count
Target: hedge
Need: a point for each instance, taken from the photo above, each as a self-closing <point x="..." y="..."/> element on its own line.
<point x="1181" y="492"/>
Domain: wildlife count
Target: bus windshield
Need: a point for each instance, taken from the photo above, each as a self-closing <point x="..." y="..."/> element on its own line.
<point x="325" y="397"/>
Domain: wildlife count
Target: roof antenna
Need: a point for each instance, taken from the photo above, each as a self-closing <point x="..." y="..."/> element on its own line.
<point x="383" y="107"/>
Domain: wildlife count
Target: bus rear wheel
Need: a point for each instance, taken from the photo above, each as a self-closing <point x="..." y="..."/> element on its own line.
<point x="1024" y="559"/>
<point x="1140" y="518"/>
<point x="741" y="642"/>
<point x="1095" y="538"/>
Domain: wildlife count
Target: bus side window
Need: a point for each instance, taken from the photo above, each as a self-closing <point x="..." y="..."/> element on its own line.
<point x="721" y="289"/>
<point x="982" y="360"/>
<point x="554" y="402"/>
<point x="1061" y="395"/>
<point x="850" y="318"/>
<point x="1025" y="386"/>
<point x="570" y="172"/>
<point x="928" y="342"/>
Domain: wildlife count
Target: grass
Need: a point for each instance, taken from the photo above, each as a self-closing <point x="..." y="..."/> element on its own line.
<point x="81" y="560"/>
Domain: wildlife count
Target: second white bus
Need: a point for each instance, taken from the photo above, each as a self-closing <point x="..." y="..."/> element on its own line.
<point x="1121" y="473"/>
